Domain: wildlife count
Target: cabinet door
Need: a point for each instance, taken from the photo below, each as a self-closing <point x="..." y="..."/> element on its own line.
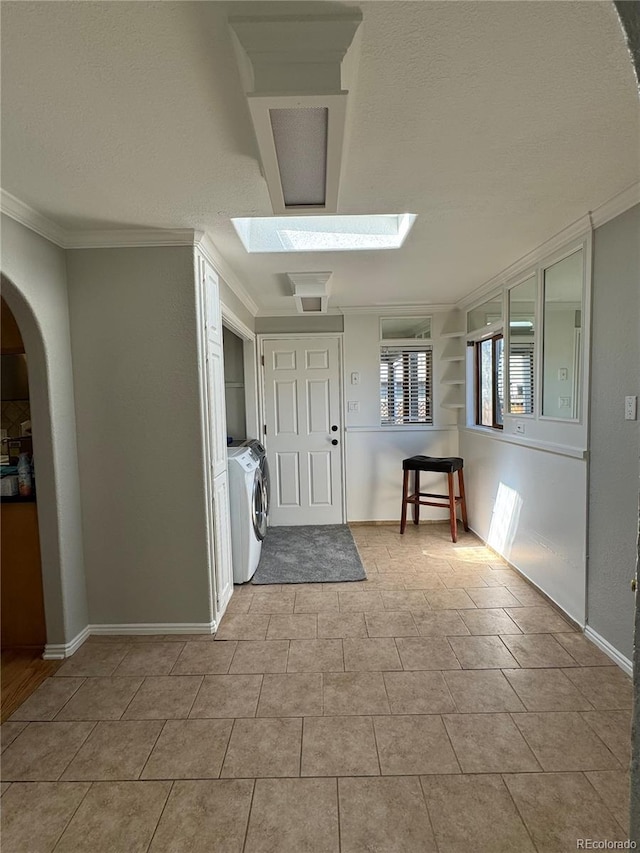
<point x="214" y="371"/>
<point x="222" y="537"/>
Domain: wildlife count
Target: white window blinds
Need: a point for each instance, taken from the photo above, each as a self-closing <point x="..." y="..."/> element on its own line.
<point x="405" y="385"/>
<point x="521" y="378"/>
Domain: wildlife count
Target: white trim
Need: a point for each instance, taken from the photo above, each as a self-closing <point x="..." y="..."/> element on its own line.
<point x="144" y="628"/>
<point x="205" y="244"/>
<point x="402" y="428"/>
<point x="60" y="651"/>
<point x="400" y="310"/>
<point x="124" y="238"/>
<point x="572" y="233"/>
<point x="235" y="324"/>
<point x="532" y="443"/>
<point x="616" y="205"/>
<point x="288" y="311"/>
<point x="30" y="218"/>
<point x="604" y="645"/>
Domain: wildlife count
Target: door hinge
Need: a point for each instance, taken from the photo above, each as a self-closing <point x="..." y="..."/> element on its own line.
<point x="264" y="429"/>
<point x="262" y="360"/>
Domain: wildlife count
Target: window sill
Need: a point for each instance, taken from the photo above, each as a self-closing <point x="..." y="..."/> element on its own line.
<point x="532" y="443"/>
<point x="402" y="428"/>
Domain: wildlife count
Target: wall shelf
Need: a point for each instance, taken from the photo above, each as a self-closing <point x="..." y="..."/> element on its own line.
<point x="452" y="358"/>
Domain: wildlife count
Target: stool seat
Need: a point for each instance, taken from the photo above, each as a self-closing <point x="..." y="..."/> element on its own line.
<point x="441" y="464"/>
<point x="448" y="465"/>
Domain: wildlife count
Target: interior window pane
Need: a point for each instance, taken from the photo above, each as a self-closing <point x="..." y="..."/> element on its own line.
<point x="522" y="300"/>
<point x="484" y="315"/>
<point x="405" y="328"/>
<point x="486" y="383"/>
<point x="562" y="338"/>
<point x="499" y="381"/>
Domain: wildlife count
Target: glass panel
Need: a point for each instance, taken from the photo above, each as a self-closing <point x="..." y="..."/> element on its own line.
<point x="522" y="310"/>
<point x="486" y="382"/>
<point x="499" y="380"/>
<point x="484" y="315"/>
<point x="404" y="328"/>
<point x="562" y="338"/>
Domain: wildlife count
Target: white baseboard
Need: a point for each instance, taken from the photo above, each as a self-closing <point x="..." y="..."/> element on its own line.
<point x="609" y="650"/>
<point x="60" y="651"/>
<point x="138" y="628"/>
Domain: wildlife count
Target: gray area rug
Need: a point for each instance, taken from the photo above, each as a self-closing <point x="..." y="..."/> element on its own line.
<point x="309" y="554"/>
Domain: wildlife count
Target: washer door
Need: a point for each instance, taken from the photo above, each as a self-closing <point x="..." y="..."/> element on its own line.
<point x="258" y="507"/>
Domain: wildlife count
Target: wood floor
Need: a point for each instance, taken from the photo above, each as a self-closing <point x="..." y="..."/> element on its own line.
<point x="21" y="671"/>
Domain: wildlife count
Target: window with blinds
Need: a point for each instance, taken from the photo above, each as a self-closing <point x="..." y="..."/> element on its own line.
<point x="406" y="378"/>
<point x="521" y="378"/>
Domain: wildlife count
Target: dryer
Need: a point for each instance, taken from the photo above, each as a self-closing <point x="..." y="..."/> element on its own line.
<point x="248" y="514"/>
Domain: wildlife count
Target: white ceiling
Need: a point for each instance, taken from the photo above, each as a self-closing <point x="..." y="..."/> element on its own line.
<point x="497" y="123"/>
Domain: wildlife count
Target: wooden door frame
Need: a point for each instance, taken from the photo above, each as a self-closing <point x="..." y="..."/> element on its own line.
<point x="309" y="336"/>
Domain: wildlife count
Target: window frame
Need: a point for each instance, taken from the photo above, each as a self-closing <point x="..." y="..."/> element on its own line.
<point x="405" y="349"/>
<point x="477" y="346"/>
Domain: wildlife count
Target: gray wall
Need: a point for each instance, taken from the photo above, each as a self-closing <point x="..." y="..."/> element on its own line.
<point x="228" y="297"/>
<point x="36" y="292"/>
<point x="135" y="364"/>
<point x="295" y="323"/>
<point x="613" y="485"/>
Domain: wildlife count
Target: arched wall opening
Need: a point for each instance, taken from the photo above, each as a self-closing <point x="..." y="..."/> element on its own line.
<point x="33" y="280"/>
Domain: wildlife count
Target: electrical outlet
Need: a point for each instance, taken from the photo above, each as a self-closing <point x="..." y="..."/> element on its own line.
<point x="564" y="402"/>
<point x="563" y="374"/>
<point x="519" y="427"/>
<point x="353" y="406"/>
<point x="630" y="408"/>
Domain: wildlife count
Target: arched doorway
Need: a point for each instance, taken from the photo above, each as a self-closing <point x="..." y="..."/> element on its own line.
<point x="23" y="633"/>
<point x="34" y="288"/>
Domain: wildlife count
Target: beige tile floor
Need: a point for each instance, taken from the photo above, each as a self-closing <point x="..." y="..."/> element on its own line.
<point x="441" y="705"/>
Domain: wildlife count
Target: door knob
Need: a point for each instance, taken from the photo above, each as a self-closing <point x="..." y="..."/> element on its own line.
<point x="334" y="428"/>
<point x="334" y="441"/>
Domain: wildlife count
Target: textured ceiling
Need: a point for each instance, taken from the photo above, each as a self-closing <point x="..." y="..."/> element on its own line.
<point x="498" y="123"/>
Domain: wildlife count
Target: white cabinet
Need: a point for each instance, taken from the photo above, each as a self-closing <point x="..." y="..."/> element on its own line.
<point x="215" y="437"/>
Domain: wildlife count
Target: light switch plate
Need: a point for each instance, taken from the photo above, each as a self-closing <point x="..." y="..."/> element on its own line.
<point x="355" y="378"/>
<point x="630" y="408"/>
<point x="353" y="406"/>
<point x="563" y="374"/>
<point x="520" y="427"/>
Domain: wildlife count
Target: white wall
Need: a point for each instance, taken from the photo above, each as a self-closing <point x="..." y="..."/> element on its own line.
<point x="530" y="506"/>
<point x="613" y="481"/>
<point x="374" y="454"/>
<point x="37" y="295"/>
<point x="133" y="334"/>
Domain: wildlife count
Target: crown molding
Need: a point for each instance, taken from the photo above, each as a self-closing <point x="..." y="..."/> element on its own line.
<point x="578" y="229"/>
<point x="206" y="245"/>
<point x="397" y="310"/>
<point x="124" y="238"/>
<point x="616" y="205"/>
<point x="16" y="209"/>
<point x="613" y="207"/>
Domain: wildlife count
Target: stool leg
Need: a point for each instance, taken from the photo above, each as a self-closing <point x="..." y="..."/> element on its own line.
<point x="405" y="489"/>
<point x="463" y="500"/>
<point x="416" y="491"/>
<point x="452" y="509"/>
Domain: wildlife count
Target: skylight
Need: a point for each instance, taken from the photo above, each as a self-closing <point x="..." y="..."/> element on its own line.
<point x="324" y="233"/>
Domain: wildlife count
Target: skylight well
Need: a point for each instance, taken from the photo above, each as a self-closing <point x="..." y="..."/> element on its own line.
<point x="324" y="233"/>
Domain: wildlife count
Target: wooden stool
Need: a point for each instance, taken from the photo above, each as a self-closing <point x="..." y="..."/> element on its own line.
<point x="445" y="465"/>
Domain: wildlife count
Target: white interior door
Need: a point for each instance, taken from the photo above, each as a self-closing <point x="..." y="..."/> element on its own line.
<point x="304" y="430"/>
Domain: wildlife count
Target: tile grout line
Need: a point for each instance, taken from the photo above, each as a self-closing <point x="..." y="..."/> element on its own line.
<point x="164" y="806"/>
<point x="155" y="743"/>
<point x="246" y="829"/>
<point x="75" y="811"/>
<point x="519" y="813"/>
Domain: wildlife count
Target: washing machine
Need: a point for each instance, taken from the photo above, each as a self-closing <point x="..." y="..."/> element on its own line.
<point x="248" y="516"/>
<point x="261" y="453"/>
